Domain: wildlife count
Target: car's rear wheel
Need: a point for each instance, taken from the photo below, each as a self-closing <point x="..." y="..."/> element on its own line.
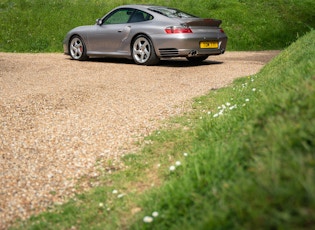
<point x="197" y="59"/>
<point x="143" y="51"/>
<point x="77" y="48"/>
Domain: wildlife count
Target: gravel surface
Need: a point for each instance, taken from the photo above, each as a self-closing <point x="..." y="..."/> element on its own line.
<point x="58" y="116"/>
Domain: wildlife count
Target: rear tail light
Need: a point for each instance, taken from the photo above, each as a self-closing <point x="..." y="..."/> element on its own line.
<point x="221" y="30"/>
<point x="178" y="30"/>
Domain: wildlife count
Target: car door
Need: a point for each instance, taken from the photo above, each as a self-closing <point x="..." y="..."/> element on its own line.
<point x="108" y="36"/>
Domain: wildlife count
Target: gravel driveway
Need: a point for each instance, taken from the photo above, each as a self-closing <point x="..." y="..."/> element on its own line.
<point x="58" y="117"/>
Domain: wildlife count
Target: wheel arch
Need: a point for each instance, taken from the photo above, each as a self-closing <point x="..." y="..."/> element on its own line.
<point x="142" y="34"/>
<point x="84" y="56"/>
<point x="153" y="58"/>
<point x="78" y="35"/>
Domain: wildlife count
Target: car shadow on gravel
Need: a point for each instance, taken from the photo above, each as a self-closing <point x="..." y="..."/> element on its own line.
<point x="174" y="62"/>
<point x="184" y="63"/>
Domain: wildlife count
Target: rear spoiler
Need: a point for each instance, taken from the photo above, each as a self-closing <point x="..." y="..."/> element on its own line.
<point x="205" y="22"/>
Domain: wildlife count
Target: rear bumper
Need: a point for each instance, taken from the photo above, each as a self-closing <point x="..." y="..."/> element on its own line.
<point x="176" y="46"/>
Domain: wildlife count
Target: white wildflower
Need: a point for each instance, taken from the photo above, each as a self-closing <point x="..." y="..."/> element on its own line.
<point x="247" y="100"/>
<point x="115" y="191"/>
<point x="101" y="205"/>
<point x="177" y="163"/>
<point x="185" y="154"/>
<point x="172" y="168"/>
<point x="155" y="214"/>
<point x="216" y="115"/>
<point x="233" y="107"/>
<point x="254" y="89"/>
<point x="120" y="196"/>
<point x="147" y="219"/>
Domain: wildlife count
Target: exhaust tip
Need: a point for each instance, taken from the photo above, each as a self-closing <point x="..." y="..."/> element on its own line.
<point x="192" y="53"/>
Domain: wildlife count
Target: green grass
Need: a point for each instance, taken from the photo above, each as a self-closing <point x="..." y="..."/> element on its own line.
<point x="250" y="161"/>
<point x="40" y="26"/>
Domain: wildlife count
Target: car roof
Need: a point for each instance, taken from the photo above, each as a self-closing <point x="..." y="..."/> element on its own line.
<point x="141" y="6"/>
<point x="146" y="6"/>
<point x="155" y="11"/>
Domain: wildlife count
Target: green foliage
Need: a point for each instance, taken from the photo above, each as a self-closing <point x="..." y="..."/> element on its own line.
<point x="40" y="26"/>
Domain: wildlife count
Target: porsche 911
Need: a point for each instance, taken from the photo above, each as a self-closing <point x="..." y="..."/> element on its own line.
<point x="146" y="34"/>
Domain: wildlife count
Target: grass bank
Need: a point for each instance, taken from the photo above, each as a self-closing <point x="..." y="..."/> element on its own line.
<point x="244" y="158"/>
<point x="40" y="26"/>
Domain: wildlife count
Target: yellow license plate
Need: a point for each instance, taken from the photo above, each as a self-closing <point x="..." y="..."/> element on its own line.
<point x="209" y="45"/>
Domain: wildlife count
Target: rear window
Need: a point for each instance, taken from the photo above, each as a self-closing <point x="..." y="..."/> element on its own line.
<point x="171" y="12"/>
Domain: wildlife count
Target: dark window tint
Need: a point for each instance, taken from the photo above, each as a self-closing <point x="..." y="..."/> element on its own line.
<point x="120" y="16"/>
<point x="140" y="16"/>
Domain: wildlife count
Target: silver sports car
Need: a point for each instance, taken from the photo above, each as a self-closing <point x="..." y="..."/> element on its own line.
<point x="147" y="33"/>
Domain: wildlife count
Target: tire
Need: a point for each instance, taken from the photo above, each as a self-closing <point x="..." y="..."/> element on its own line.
<point x="143" y="52"/>
<point x="197" y="59"/>
<point x="77" y="48"/>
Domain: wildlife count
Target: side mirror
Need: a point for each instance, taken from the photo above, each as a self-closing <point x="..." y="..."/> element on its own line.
<point x="99" y="22"/>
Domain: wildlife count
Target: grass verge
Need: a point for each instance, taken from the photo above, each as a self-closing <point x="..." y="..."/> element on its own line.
<point x="243" y="159"/>
<point x="40" y="26"/>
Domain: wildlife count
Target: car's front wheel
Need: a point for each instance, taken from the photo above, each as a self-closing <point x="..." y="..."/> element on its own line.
<point x="143" y="51"/>
<point x="77" y="48"/>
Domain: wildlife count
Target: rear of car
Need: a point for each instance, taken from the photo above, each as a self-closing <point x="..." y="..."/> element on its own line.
<point x="188" y="36"/>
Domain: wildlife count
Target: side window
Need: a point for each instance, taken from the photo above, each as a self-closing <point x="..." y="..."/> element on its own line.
<point x="140" y="16"/>
<point x="120" y="16"/>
